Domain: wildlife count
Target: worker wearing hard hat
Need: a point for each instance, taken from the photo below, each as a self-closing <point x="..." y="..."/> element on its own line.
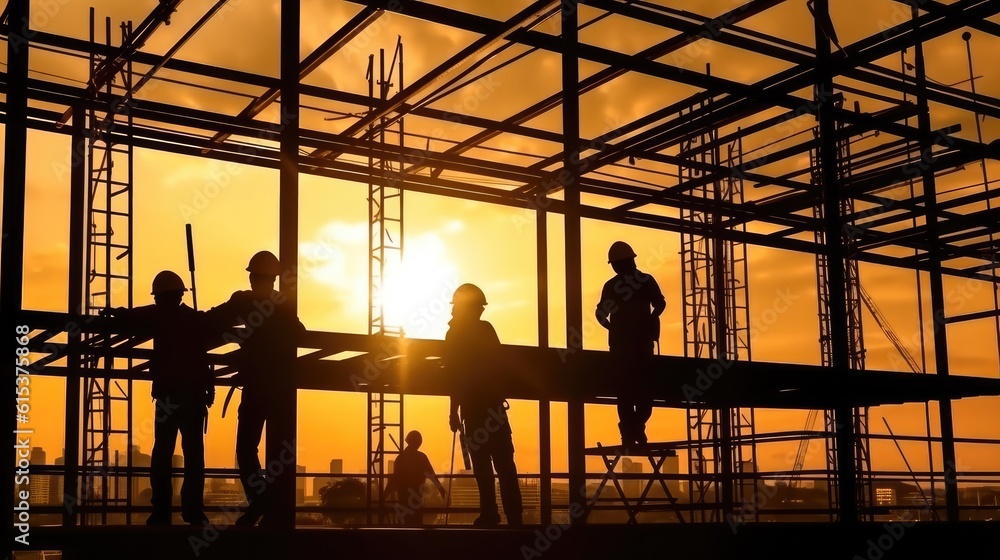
<point x="471" y="360"/>
<point x="260" y="320"/>
<point x="630" y="307"/>
<point x="410" y="471"/>
<point x="182" y="388"/>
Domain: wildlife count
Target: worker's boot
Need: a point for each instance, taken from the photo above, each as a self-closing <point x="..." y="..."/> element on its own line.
<point x="487" y="520"/>
<point x="159" y="518"/>
<point x="195" y="518"/>
<point x="252" y="514"/>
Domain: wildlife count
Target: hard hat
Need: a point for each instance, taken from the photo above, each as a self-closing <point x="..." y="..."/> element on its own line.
<point x="620" y="251"/>
<point x="167" y="281"/>
<point x="264" y="262"/>
<point x="469" y="294"/>
<point x="414" y="438"/>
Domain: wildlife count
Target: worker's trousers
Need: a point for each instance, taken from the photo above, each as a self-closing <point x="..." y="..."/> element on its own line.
<point x="188" y="419"/>
<point x="489" y="449"/>
<point x="249" y="431"/>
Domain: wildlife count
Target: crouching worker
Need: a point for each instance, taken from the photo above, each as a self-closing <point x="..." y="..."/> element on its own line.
<point x="183" y="389"/>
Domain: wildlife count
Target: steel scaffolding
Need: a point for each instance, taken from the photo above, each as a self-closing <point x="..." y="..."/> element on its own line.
<point x="721" y="204"/>
<point x="385" y="208"/>
<point x="107" y="425"/>
<point x="852" y="294"/>
<point x="716" y="315"/>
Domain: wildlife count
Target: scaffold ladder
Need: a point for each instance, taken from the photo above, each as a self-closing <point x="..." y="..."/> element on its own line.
<point x="385" y="206"/>
<point x="705" y="304"/>
<point x="107" y="410"/>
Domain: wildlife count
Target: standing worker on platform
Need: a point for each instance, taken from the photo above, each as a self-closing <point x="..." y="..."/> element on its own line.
<point x="411" y="469"/>
<point x="183" y="388"/>
<point x="471" y="355"/>
<point x="630" y="308"/>
<point x="267" y="332"/>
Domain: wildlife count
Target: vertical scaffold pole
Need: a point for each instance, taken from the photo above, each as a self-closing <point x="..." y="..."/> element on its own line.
<point x="574" y="276"/>
<point x="936" y="281"/>
<point x="281" y="434"/>
<point x="839" y="339"/>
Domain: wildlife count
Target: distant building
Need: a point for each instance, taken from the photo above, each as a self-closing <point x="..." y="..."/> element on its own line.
<point x="885" y="496"/>
<point x="464" y="494"/>
<point x="141" y="487"/>
<point x="632" y="486"/>
<point x="894" y="493"/>
<point x="531" y="500"/>
<point x="40" y="485"/>
<point x="223" y="492"/>
<point x="56" y="495"/>
<point x="672" y="466"/>
<point x="37" y="456"/>
<point x="752" y="489"/>
<point x="319" y="482"/>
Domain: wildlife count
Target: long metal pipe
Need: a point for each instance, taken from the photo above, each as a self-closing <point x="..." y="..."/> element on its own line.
<point x="281" y="429"/>
<point x="836" y="274"/>
<point x="940" y="333"/>
<point x="574" y="268"/>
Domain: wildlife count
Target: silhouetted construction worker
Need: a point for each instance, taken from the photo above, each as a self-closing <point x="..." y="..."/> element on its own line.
<point x="471" y="358"/>
<point x="267" y="332"/>
<point x="182" y="388"/>
<point x="411" y="469"/>
<point x="630" y="308"/>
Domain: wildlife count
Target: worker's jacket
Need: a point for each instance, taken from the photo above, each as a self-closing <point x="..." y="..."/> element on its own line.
<point x="179" y="366"/>
<point x="627" y="300"/>
<point x="472" y="363"/>
<point x="409" y="471"/>
<point x="266" y="331"/>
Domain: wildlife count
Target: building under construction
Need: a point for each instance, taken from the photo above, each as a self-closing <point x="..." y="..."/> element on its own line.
<point x="848" y="152"/>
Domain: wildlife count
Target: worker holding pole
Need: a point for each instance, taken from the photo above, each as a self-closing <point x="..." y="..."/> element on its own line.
<point x="478" y="409"/>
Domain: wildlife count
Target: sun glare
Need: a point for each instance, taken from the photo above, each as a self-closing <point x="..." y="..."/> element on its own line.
<point x="417" y="291"/>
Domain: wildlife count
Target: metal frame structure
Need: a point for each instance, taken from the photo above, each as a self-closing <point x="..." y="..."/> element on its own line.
<point x="852" y="295"/>
<point x="109" y="279"/>
<point x="385" y="242"/>
<point x="688" y="133"/>
<point x="716" y="318"/>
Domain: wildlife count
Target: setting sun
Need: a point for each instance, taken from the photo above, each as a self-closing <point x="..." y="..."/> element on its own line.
<point x="417" y="291"/>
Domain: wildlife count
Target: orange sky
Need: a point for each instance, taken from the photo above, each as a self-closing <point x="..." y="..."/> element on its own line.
<point x="233" y="210"/>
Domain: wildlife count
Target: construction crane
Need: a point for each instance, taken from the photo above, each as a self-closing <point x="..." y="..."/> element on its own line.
<point x="800" y="455"/>
<point x="883" y="324"/>
<point x="890" y="333"/>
